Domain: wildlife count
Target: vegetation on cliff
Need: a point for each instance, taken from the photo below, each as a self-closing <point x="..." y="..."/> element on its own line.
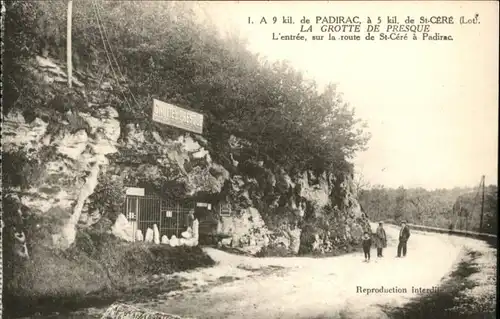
<point x="166" y="53"/>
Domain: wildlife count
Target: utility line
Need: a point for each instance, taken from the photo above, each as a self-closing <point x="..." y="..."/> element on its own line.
<point x="103" y="41"/>
<point x="99" y="18"/>
<point x="107" y="54"/>
<point x="105" y="38"/>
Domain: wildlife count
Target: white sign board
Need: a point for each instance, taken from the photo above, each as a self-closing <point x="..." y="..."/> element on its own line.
<point x="175" y="116"/>
<point x="225" y="209"/>
<point x="134" y="191"/>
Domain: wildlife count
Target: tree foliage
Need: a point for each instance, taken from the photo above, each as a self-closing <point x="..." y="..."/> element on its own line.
<point x="162" y="50"/>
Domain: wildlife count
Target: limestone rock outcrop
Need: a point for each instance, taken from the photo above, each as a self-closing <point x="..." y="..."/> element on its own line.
<point x="247" y="229"/>
<point x="66" y="157"/>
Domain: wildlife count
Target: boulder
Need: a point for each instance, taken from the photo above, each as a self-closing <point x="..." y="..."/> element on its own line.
<point x="164" y="239"/>
<point x="187" y="234"/>
<point x="138" y="235"/>
<point x="226" y="242"/>
<point x="174" y="241"/>
<point x="123" y="229"/>
<point x="156" y="234"/>
<point x="149" y="236"/>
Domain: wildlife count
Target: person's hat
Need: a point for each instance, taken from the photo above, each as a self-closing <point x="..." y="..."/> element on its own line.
<point x="380" y="223"/>
<point x="403" y="221"/>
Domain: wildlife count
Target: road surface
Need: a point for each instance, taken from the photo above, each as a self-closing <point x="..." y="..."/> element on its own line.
<point x="318" y="287"/>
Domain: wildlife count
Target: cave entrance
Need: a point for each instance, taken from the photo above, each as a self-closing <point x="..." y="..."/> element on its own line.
<point x="208" y="222"/>
<point x="210" y="217"/>
<point x="144" y="209"/>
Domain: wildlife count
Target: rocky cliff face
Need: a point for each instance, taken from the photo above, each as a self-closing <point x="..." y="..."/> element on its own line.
<point x="64" y="161"/>
<point x="301" y="216"/>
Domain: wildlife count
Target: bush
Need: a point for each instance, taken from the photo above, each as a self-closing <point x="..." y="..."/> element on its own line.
<point x="21" y="171"/>
<point x="108" y="197"/>
<point x="39" y="228"/>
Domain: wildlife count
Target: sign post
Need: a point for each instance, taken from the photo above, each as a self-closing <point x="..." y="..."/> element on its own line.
<point x="134" y="191"/>
<point x="172" y="115"/>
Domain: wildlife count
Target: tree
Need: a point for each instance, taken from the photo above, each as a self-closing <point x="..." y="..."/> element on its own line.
<point x="360" y="183"/>
<point x="165" y="53"/>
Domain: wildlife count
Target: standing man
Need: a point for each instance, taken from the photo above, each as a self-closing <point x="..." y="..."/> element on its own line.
<point x="381" y="239"/>
<point x="404" y="234"/>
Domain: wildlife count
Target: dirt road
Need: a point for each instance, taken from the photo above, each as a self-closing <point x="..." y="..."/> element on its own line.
<point x="317" y="288"/>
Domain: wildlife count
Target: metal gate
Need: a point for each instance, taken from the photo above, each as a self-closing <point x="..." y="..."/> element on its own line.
<point x="145" y="211"/>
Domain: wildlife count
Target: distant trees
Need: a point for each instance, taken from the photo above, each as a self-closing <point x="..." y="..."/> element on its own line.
<point x="458" y="208"/>
<point x="400" y="203"/>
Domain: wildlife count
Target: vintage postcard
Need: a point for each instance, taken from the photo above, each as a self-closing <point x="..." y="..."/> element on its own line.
<point x="249" y="159"/>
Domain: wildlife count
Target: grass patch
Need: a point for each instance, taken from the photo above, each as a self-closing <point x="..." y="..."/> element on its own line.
<point x="444" y="303"/>
<point x="98" y="270"/>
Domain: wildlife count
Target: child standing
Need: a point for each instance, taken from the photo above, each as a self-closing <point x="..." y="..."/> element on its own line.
<point x="367" y="243"/>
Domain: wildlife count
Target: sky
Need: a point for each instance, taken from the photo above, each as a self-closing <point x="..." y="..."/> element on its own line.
<point x="431" y="107"/>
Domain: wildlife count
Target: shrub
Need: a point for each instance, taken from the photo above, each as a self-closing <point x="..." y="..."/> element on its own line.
<point x="21" y="171"/>
<point x="40" y="227"/>
<point x="108" y="196"/>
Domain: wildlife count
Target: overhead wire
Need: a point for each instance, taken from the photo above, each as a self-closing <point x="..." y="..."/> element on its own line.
<point x="106" y="39"/>
<point x="106" y="51"/>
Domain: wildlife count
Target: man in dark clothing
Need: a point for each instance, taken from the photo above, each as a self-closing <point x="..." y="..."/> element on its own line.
<point x="367" y="244"/>
<point x="404" y="234"/>
<point x="381" y="239"/>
